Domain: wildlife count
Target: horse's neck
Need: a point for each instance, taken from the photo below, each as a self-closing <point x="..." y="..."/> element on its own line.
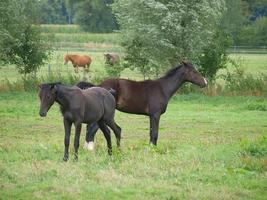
<point x="63" y="97"/>
<point x="171" y="84"/>
<point x="70" y="58"/>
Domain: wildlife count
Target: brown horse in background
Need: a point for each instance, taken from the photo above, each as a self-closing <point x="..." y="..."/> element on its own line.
<point x="149" y="97"/>
<point x="78" y="61"/>
<point x="112" y="58"/>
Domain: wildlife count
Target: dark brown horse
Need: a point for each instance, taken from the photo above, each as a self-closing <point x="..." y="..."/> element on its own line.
<point x="93" y="105"/>
<point x="149" y="97"/>
<point x="78" y="61"/>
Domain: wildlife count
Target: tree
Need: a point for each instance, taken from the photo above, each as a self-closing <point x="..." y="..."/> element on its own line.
<point x="159" y="34"/>
<point x="234" y="18"/>
<point x="95" y="16"/>
<point x="21" y="42"/>
<point x="53" y="12"/>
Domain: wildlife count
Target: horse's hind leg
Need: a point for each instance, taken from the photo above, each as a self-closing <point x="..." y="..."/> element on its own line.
<point x="91" y="130"/>
<point x="78" y="127"/>
<point x="106" y="132"/>
<point x="116" y="129"/>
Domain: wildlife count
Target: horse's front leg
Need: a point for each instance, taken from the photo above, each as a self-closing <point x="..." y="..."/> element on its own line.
<point x="154" y="127"/>
<point x="67" y="127"/>
<point x="75" y="68"/>
<point x="78" y="127"/>
<point x="91" y="130"/>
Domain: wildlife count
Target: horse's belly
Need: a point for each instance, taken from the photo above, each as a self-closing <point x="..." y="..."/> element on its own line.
<point x="134" y="106"/>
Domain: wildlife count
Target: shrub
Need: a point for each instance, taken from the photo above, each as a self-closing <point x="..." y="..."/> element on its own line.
<point x="238" y="82"/>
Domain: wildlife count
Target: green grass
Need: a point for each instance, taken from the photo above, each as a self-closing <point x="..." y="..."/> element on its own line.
<point x="208" y="148"/>
<point x="73" y="34"/>
<point x="252" y="63"/>
<point x="52" y="28"/>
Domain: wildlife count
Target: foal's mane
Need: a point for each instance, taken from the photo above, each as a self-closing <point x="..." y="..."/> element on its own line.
<point x="172" y="71"/>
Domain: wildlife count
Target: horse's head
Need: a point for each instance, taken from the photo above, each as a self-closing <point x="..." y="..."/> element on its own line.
<point x="47" y="95"/>
<point x="66" y="59"/>
<point x="192" y="75"/>
<point x="107" y="58"/>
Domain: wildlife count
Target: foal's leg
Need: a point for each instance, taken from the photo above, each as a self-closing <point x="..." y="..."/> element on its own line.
<point x="78" y="127"/>
<point x="106" y="132"/>
<point x="67" y="126"/>
<point x="91" y="130"/>
<point x="116" y="129"/>
<point x="154" y="127"/>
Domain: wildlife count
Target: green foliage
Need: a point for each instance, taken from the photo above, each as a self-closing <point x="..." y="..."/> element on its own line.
<point x="244" y="22"/>
<point x="159" y="34"/>
<point x="255" y="33"/>
<point x="53" y="12"/>
<point x="233" y="19"/>
<point x="21" y="42"/>
<point x="244" y="83"/>
<point x="215" y="56"/>
<point x="114" y="71"/>
<point x="95" y="16"/>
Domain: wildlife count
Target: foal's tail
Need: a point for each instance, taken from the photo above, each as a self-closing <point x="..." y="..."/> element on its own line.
<point x="113" y="92"/>
<point x="84" y="85"/>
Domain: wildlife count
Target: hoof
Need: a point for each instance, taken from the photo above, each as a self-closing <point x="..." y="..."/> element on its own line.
<point x="89" y="146"/>
<point x="65" y="159"/>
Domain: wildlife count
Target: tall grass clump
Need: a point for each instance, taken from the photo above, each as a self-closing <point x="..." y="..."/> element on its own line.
<point x="253" y="154"/>
<point x="238" y="82"/>
<point x="30" y="83"/>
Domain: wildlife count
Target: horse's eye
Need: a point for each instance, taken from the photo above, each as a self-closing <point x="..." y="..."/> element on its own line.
<point x="48" y="97"/>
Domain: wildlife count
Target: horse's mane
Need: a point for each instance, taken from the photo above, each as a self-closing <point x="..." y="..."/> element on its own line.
<point x="172" y="71"/>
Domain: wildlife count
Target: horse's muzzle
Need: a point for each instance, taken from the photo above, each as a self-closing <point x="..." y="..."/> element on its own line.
<point x="205" y="83"/>
<point x="42" y="114"/>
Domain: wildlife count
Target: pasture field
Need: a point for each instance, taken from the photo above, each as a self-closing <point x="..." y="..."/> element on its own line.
<point x="208" y="148"/>
<point x="255" y="64"/>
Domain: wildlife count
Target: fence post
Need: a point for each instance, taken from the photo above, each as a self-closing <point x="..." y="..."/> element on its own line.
<point x="49" y="71"/>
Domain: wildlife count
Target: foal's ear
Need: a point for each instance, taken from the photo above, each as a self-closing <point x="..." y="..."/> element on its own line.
<point x="53" y="88"/>
<point x="184" y="62"/>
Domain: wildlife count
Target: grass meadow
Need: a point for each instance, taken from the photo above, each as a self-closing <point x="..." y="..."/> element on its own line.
<point x="209" y="147"/>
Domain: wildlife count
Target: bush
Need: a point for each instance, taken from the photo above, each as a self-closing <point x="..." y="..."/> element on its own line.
<point x="238" y="82"/>
<point x="215" y="56"/>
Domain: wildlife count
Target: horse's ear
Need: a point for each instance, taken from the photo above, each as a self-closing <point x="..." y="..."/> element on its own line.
<point x="184" y="62"/>
<point x="53" y="88"/>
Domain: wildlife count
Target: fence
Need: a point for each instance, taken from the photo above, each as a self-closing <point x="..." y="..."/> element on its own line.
<point x="248" y="49"/>
<point x="91" y="47"/>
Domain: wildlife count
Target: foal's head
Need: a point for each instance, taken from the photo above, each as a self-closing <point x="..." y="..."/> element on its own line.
<point x="192" y="75"/>
<point x="47" y="95"/>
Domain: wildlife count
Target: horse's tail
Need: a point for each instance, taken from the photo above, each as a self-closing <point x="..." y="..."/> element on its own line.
<point x="113" y="92"/>
<point x="84" y="85"/>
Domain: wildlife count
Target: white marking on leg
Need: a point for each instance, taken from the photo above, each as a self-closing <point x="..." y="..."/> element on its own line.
<point x="85" y="145"/>
<point x="205" y="81"/>
<point x="90" y="145"/>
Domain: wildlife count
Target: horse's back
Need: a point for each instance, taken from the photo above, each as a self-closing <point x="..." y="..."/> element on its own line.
<point x="81" y="59"/>
<point x="103" y="99"/>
